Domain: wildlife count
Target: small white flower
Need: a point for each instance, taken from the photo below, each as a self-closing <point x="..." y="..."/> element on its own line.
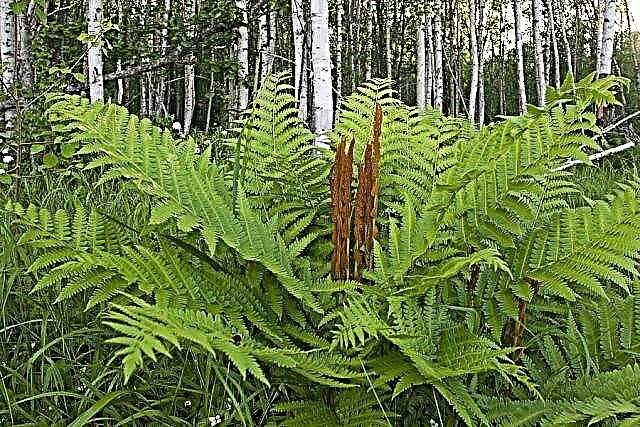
<point x="7" y="159"/>
<point x="198" y="150"/>
<point x="2" y="171"/>
<point x="214" y="421"/>
<point x="33" y="345"/>
<point x="433" y="423"/>
<point x="176" y="126"/>
<point x="187" y="403"/>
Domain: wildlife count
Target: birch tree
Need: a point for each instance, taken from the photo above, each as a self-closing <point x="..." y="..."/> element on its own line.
<point x="522" y="90"/>
<point x="608" y="35"/>
<point x="438" y="75"/>
<point x="94" y="55"/>
<point x="243" y="56"/>
<point x="475" y="56"/>
<point x="538" y="29"/>
<point x="7" y="54"/>
<point x="321" y="62"/>
<point x="263" y="47"/>
<point x="369" y="40"/>
<point x="299" y="54"/>
<point x="24" y="34"/>
<point x="189" y="73"/>
<point x="554" y="43"/>
<point x="421" y="82"/>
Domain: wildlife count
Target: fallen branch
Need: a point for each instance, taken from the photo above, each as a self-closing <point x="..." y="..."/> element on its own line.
<point x="597" y="156"/>
<point x="605" y="153"/>
<point x="619" y="122"/>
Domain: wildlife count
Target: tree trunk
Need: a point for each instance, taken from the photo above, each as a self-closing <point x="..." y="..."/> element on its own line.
<point x="438" y="75"/>
<point x="164" y="46"/>
<point x="263" y="46"/>
<point x="538" y="29"/>
<point x="120" y="92"/>
<point x="321" y="62"/>
<point x="387" y="40"/>
<point x="94" y="55"/>
<point x="369" y="62"/>
<point x="430" y="62"/>
<point x="522" y="90"/>
<point x="554" y="42"/>
<point x="273" y="34"/>
<point x="7" y="56"/>
<point x="608" y="35"/>
<point x="26" y="66"/>
<point x="421" y="81"/>
<point x="189" y="74"/>
<point x="299" y="44"/>
<point x="475" y="65"/>
<point x="502" y="99"/>
<point x="243" y="57"/>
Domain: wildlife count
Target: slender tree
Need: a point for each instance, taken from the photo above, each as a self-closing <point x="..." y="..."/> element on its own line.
<point x="339" y="47"/>
<point x="26" y="66"/>
<point x="538" y="30"/>
<point x="189" y="73"/>
<point x="438" y="74"/>
<point x="7" y="54"/>
<point x="421" y="82"/>
<point x="321" y="61"/>
<point x="608" y="35"/>
<point x="475" y="56"/>
<point x="522" y="90"/>
<point x="94" y="55"/>
<point x="299" y="53"/>
<point x="243" y="57"/>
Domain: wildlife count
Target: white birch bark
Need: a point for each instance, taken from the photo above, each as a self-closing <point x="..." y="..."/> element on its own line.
<point x="608" y="35"/>
<point x="7" y="54"/>
<point x="263" y="46"/>
<point x="26" y="66"/>
<point x="475" y="66"/>
<point x="438" y="74"/>
<point x="430" y="62"/>
<point x="189" y="75"/>
<point x="273" y="34"/>
<point x="299" y="52"/>
<point x="321" y="62"/>
<point x="421" y="89"/>
<point x="164" y="48"/>
<point x="120" y="82"/>
<point x="554" y="43"/>
<point x="144" y="103"/>
<point x="387" y="40"/>
<point x="94" y="55"/>
<point x="369" y="40"/>
<point x="243" y="57"/>
<point x="538" y="30"/>
<point x="522" y="90"/>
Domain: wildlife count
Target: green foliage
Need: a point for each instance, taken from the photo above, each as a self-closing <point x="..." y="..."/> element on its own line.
<point x="494" y="275"/>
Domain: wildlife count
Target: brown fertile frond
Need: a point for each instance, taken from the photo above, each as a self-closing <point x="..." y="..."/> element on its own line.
<point x="365" y="230"/>
<point x="341" y="210"/>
